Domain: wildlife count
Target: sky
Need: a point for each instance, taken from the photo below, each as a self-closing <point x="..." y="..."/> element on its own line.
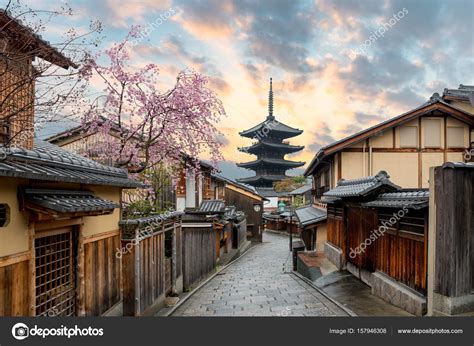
<point x="338" y="66"/>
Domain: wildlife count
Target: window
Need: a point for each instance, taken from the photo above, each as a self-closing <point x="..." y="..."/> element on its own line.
<point x="4" y="215"/>
<point x="455" y="137"/>
<point x="408" y="137"/>
<point x="432" y="133"/>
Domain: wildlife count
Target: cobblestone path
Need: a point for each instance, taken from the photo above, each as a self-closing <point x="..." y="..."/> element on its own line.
<point x="259" y="284"/>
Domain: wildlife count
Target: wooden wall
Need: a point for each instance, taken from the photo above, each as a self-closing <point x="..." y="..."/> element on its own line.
<point x="336" y="233"/>
<point x="454" y="254"/>
<point x="361" y="223"/>
<point x="101" y="274"/>
<point x="239" y="234"/>
<point x="403" y="258"/>
<point x="14" y="286"/>
<point x="199" y="254"/>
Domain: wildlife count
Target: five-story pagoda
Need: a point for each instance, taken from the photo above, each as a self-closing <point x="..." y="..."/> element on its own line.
<point x="270" y="148"/>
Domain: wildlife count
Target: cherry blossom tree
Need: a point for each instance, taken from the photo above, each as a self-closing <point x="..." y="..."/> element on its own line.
<point x="141" y="127"/>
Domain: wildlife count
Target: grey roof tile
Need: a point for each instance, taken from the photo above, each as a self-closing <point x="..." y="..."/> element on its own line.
<point x="52" y="163"/>
<point x="362" y="186"/>
<point x="310" y="215"/>
<point x="459" y="165"/>
<point x="301" y="190"/>
<point x="67" y="201"/>
<point x="414" y="199"/>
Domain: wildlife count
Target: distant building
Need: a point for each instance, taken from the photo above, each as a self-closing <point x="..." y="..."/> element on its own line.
<point x="270" y="148"/>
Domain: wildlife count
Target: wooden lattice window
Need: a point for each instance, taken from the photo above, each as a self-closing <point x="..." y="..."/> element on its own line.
<point x="55" y="279"/>
<point x="4" y="215"/>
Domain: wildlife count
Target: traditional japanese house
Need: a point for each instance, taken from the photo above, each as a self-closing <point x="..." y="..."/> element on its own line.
<point x="312" y="226"/>
<point x="301" y="195"/>
<point x="202" y="234"/>
<point x="378" y="231"/>
<point x="405" y="146"/>
<point x="244" y="199"/>
<point x="270" y="148"/>
<point x="59" y="211"/>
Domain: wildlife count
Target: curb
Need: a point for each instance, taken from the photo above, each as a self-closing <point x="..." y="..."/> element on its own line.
<point x="341" y="306"/>
<point x="197" y="288"/>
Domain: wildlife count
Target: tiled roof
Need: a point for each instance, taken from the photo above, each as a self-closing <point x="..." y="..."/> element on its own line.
<point x="462" y="165"/>
<point x="248" y="188"/>
<point x="257" y="178"/>
<point x="268" y="161"/>
<point x="41" y="47"/>
<point x="362" y="186"/>
<point x="52" y="163"/>
<point x="272" y="125"/>
<point x="66" y="201"/>
<point x="464" y="92"/>
<point x="280" y="146"/>
<point x="415" y="199"/>
<point x="269" y="192"/>
<point x="151" y="219"/>
<point x="310" y="215"/>
<point x="301" y="190"/>
<point x="211" y="206"/>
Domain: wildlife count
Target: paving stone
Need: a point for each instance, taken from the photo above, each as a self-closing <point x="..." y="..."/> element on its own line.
<point x="256" y="285"/>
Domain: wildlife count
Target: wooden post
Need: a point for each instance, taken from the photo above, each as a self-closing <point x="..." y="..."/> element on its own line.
<point x="173" y="260"/>
<point x="32" y="270"/>
<point x="137" y="273"/>
<point x="81" y="289"/>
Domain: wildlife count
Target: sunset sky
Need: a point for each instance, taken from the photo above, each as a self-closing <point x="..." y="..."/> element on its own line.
<point x="330" y="78"/>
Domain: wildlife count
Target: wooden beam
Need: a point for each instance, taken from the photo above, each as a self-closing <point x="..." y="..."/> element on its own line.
<point x="100" y="236"/>
<point x="455" y="113"/>
<point x="32" y="270"/>
<point x="49" y="224"/>
<point x="81" y="289"/>
<point x="420" y="163"/>
<point x="16" y="258"/>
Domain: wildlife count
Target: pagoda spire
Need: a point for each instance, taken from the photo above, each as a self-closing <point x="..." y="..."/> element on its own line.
<point x="270" y="102"/>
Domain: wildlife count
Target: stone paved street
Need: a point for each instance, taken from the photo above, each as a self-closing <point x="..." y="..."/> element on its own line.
<point x="259" y="285"/>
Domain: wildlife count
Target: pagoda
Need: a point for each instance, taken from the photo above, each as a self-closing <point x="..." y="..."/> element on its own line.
<point x="270" y="148"/>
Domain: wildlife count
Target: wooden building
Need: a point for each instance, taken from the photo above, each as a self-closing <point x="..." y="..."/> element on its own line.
<point x="405" y="146"/>
<point x="378" y="232"/>
<point x="312" y="226"/>
<point x="244" y="199"/>
<point x="59" y="212"/>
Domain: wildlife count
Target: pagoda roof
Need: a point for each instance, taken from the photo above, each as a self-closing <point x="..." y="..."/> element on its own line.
<point x="273" y="126"/>
<point x="288" y="148"/>
<point x="260" y="178"/>
<point x="268" y="161"/>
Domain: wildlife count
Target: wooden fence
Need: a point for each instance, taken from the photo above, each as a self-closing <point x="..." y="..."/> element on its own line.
<point x="199" y="254"/>
<point x="144" y="258"/>
<point x="239" y="233"/>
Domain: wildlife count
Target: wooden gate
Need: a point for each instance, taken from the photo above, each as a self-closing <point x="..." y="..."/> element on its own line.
<point x="361" y="223"/>
<point x="55" y="274"/>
